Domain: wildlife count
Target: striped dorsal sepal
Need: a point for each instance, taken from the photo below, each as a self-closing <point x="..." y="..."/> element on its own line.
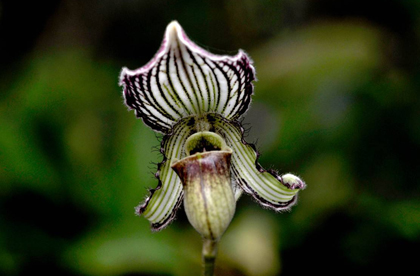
<point x="184" y="79"/>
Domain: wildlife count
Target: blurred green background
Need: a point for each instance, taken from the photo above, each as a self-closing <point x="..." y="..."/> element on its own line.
<point x="336" y="102"/>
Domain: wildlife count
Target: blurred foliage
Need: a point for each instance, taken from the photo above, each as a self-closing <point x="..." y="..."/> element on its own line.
<point x="337" y="101"/>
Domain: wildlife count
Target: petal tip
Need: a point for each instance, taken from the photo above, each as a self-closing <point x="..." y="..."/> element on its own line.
<point x="124" y="72"/>
<point x="292" y="182"/>
<point x="175" y="34"/>
<point x="173" y="28"/>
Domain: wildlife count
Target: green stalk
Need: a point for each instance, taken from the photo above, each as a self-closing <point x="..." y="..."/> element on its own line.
<point x="209" y="256"/>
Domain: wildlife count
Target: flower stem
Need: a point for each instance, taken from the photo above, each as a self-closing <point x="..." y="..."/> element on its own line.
<point x="209" y="256"/>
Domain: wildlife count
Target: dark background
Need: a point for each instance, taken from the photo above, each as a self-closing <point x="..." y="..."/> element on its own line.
<point x="336" y="102"/>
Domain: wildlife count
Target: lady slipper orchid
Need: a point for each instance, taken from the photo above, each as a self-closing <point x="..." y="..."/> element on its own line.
<point x="195" y="98"/>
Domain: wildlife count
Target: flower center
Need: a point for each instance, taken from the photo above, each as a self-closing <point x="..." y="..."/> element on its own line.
<point x="209" y="199"/>
<point x="204" y="141"/>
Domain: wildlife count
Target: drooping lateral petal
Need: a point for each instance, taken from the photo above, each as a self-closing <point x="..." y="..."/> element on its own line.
<point x="161" y="206"/>
<point x="184" y="79"/>
<point x="267" y="187"/>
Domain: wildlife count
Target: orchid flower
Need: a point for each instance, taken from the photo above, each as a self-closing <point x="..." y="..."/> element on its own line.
<point x="195" y="99"/>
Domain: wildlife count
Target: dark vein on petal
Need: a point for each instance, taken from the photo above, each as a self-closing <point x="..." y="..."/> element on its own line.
<point x="204" y="79"/>
<point x="228" y="84"/>
<point x="249" y="76"/>
<point x="180" y="80"/>
<point x="134" y="101"/>
<point x="238" y="80"/>
<point x="161" y="91"/>
<point x="184" y="65"/>
<point x="151" y="117"/>
<point x="170" y="80"/>
<point x="156" y="105"/>
<point x="216" y="98"/>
